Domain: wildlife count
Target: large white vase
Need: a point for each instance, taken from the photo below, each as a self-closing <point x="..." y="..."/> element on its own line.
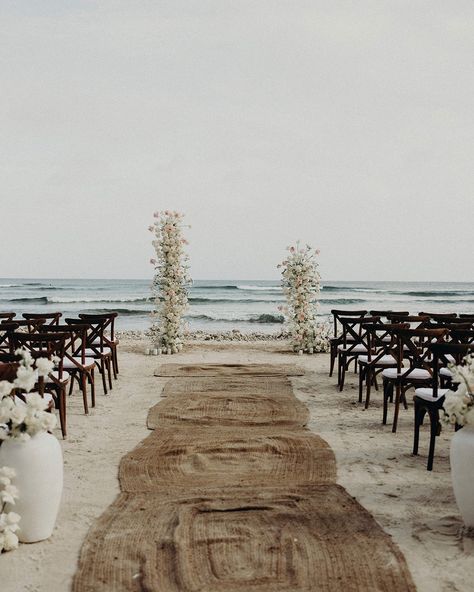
<point x="462" y="472"/>
<point x="38" y="464"/>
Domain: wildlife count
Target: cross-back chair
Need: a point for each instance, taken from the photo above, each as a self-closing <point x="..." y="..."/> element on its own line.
<point x="429" y="400"/>
<point x="76" y="363"/>
<point x="354" y="343"/>
<point x="335" y="341"/>
<point x="412" y="347"/>
<point x="7" y="316"/>
<point x="382" y="342"/>
<point x="108" y="334"/>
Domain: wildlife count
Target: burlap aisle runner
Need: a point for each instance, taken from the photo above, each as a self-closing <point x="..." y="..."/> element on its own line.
<point x="230" y="493"/>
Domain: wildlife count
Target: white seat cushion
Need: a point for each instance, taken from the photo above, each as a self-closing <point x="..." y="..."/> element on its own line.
<point x="116" y="341"/>
<point x="446" y="372"/>
<point x="91" y="353"/>
<point x="386" y="360"/>
<point x="415" y="373"/>
<point x="427" y="394"/>
<point x="450" y="358"/>
<point x="356" y="349"/>
<point x="69" y="364"/>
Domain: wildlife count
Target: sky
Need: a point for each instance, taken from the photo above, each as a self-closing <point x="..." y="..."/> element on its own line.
<point x="346" y="125"/>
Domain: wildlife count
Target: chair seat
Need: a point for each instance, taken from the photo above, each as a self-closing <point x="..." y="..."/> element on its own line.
<point x="446" y="372"/>
<point x="92" y="354"/>
<point x="70" y="365"/>
<point x="415" y="373"/>
<point x="114" y="341"/>
<point x="386" y="360"/>
<point x="353" y="349"/>
<point x="427" y="394"/>
<point x="450" y="358"/>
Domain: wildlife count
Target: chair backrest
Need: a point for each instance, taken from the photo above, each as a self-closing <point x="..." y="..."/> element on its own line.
<point x="340" y="314"/>
<point x="31" y="326"/>
<point x="75" y="343"/>
<point x="383" y="340"/>
<point x="6" y="329"/>
<point x="465" y="315"/>
<point x="415" y="321"/>
<point x="439" y="316"/>
<point x="355" y="331"/>
<point x="42" y="345"/>
<point x="450" y="326"/>
<point x="50" y="318"/>
<point x="413" y="344"/>
<point x="387" y="313"/>
<point x="462" y="336"/>
<point x="95" y="332"/>
<point x="440" y="353"/>
<point x="109" y="326"/>
<point x="7" y="316"/>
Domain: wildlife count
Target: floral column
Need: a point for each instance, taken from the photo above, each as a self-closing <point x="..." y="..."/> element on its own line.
<point x="171" y="281"/>
<point x="301" y="286"/>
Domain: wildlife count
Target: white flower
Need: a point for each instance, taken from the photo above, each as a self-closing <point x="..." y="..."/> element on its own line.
<point x="44" y="366"/>
<point x="5" y="388"/>
<point x="18" y="414"/>
<point x="26" y="378"/>
<point x="10" y="540"/>
<point x="36" y="402"/>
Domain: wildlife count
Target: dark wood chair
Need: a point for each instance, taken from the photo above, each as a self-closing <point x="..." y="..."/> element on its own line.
<point x="439" y="316"/>
<point x="429" y="400"/>
<point x="47" y="345"/>
<point x="76" y="363"/>
<point x="97" y="348"/>
<point x="386" y="313"/>
<point x="6" y="329"/>
<point x="354" y="344"/>
<point x="382" y="341"/>
<point x="50" y="318"/>
<point x="335" y="341"/>
<point x="108" y="336"/>
<point x="412" y="348"/>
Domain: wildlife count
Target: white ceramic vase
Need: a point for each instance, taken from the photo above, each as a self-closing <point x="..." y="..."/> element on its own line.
<point x="462" y="472"/>
<point x="38" y="464"/>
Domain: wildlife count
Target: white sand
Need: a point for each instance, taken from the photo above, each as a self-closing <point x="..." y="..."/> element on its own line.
<point x="415" y="506"/>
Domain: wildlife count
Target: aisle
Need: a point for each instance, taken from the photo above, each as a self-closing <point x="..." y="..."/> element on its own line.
<point x="231" y="493"/>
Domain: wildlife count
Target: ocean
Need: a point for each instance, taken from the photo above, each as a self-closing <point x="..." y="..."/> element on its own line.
<point x="230" y="304"/>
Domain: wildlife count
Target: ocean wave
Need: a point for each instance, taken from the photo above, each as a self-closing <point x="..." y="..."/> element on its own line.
<point x="198" y="300"/>
<point x="259" y="288"/>
<point x="261" y="318"/>
<point x="432" y="293"/>
<point x="342" y="300"/>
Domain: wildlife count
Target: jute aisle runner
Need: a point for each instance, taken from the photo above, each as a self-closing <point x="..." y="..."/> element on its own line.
<point x="230" y="493"/>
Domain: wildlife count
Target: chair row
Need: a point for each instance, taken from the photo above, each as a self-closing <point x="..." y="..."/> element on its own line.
<point x="80" y="345"/>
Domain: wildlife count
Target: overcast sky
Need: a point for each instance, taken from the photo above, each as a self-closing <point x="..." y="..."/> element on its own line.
<point x="348" y="125"/>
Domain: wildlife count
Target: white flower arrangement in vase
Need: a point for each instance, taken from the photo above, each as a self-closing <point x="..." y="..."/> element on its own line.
<point x="8" y="520"/>
<point x="171" y="282"/>
<point x="458" y="406"/>
<point x="18" y="419"/>
<point x="301" y="286"/>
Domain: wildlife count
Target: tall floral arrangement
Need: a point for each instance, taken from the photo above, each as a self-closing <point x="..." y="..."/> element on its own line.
<point x="301" y="286"/>
<point x="171" y="282"/>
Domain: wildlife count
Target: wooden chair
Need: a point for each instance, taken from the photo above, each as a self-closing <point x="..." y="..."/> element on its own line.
<point x="354" y="344"/>
<point x="437" y="316"/>
<point x="31" y="326"/>
<point x="47" y="345"/>
<point x="429" y="400"/>
<point x="108" y="336"/>
<point x="382" y="341"/>
<point x="51" y="318"/>
<point x="386" y="313"/>
<point x="97" y="348"/>
<point x="76" y="363"/>
<point x="335" y="341"/>
<point x="412" y="347"/>
<point x="6" y="329"/>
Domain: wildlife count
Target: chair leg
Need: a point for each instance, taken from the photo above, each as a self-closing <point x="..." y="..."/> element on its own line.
<point x="108" y="365"/>
<point x="116" y="360"/>
<point x="419" y="413"/>
<point x="62" y="411"/>
<point x="387" y="395"/>
<point x="92" y="381"/>
<point x="84" y="391"/>
<point x="362" y="372"/>
<point x="434" y="427"/>
<point x="71" y="384"/>
<point x="398" y="395"/>
<point x="343" y="372"/>
<point x="101" y="367"/>
<point x="114" y="367"/>
<point x="333" y="355"/>
<point x="368" y="383"/>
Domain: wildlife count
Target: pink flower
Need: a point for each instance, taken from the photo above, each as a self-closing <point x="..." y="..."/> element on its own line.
<point x="317" y="251"/>
<point x="151" y="228"/>
<point x="292" y="249"/>
<point x="153" y="261"/>
<point x="156" y="215"/>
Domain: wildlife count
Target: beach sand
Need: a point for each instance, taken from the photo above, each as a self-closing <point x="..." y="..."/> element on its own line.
<point x="415" y="506"/>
